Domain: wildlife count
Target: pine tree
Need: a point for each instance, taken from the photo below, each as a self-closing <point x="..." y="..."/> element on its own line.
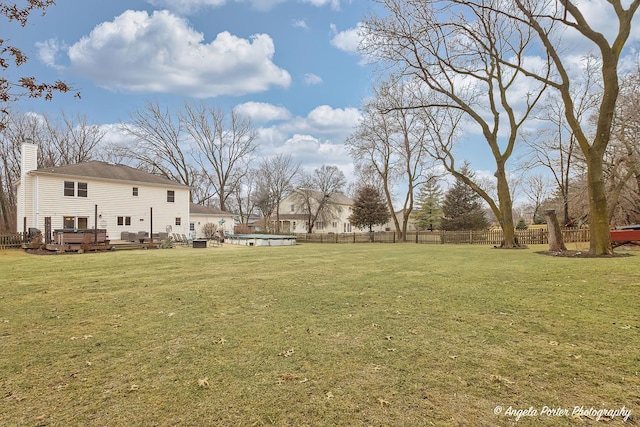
<point x="369" y="209"/>
<point x="462" y="208"/>
<point x="428" y="213"/>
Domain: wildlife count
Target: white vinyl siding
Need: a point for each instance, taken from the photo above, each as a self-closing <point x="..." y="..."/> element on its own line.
<point x="113" y="199"/>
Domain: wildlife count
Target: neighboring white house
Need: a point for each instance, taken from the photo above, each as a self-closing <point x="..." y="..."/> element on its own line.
<point x="124" y="198"/>
<point x="202" y="215"/>
<point x="391" y="226"/>
<point x="293" y="218"/>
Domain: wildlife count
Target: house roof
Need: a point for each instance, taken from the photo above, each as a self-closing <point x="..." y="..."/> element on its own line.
<point x="206" y="210"/>
<point x="109" y="171"/>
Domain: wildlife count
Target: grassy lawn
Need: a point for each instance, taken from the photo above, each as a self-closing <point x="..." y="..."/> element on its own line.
<point x="357" y="335"/>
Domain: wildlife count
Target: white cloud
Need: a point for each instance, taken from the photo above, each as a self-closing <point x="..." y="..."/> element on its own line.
<point x="313" y="140"/>
<point x="192" y="6"/>
<point x="333" y="124"/>
<point x="348" y="40"/>
<point x="335" y="4"/>
<point x="48" y="50"/>
<point x="325" y="117"/>
<point x="312" y="79"/>
<point x="161" y="53"/>
<point x="261" y="112"/>
<point x="313" y="152"/>
<point x="300" y="23"/>
<point x="186" y="6"/>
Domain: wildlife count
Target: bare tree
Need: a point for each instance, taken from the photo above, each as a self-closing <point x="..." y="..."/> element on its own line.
<point x="543" y="17"/>
<point x="264" y="203"/>
<point x="390" y="140"/>
<point x="73" y="140"/>
<point x="9" y="174"/>
<point x="459" y="55"/>
<point x="537" y="189"/>
<point x="225" y="146"/>
<point x="317" y="194"/>
<point x="244" y="200"/>
<point x="278" y="173"/>
<point x="69" y="141"/>
<point x="159" y="145"/>
<point x="370" y="148"/>
<point x="622" y="160"/>
<point x="554" y="147"/>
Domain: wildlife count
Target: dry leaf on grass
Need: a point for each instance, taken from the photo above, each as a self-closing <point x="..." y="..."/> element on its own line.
<point x="287" y="353"/>
<point x="501" y="380"/>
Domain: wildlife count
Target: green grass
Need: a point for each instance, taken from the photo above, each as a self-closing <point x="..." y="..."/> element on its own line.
<point x="358" y="335"/>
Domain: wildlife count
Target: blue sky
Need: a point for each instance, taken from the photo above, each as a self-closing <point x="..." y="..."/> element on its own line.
<point x="291" y="64"/>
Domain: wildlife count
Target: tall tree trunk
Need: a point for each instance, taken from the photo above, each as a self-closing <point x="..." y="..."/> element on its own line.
<point x="556" y="242"/>
<point x="506" y="209"/>
<point x="600" y="241"/>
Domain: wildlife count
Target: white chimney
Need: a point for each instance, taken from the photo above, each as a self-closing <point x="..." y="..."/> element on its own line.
<point x="25" y="208"/>
<point x="29" y="157"/>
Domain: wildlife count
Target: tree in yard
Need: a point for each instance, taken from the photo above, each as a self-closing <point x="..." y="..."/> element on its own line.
<point x="9" y="53"/>
<point x="556" y="241"/>
<point x="389" y="141"/>
<point x="622" y="161"/>
<point x="464" y="56"/>
<point x="159" y="145"/>
<point x="462" y="209"/>
<point x="243" y="202"/>
<point x="428" y="212"/>
<point x="546" y="19"/>
<point x="369" y="209"/>
<point x="225" y="147"/>
<point x="72" y="140"/>
<point x="537" y="190"/>
<point x="277" y="176"/>
<point x="554" y="146"/>
<point x="317" y="193"/>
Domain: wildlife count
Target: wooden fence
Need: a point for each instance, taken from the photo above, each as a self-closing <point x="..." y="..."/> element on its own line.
<point x="11" y="240"/>
<point x="483" y="237"/>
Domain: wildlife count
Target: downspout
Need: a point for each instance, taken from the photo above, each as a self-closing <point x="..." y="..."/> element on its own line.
<point x="36" y="202"/>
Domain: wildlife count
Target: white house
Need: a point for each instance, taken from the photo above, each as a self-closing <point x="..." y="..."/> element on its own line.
<point x="114" y="197"/>
<point x="200" y="216"/>
<point x="391" y="226"/>
<point x="293" y="218"/>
